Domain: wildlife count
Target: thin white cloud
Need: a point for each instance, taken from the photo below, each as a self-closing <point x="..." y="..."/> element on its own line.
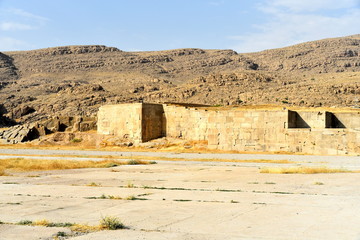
<point x="12" y="44"/>
<point x="22" y="13"/>
<point x="17" y="20"/>
<point x="293" y="22"/>
<point x="13" y="26"/>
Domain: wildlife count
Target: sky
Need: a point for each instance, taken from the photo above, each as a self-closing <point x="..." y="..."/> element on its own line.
<point x="149" y="25"/>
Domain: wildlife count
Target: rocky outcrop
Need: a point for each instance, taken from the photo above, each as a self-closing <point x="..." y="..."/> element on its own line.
<point x="20" y="133"/>
<point x="28" y="132"/>
<point x="322" y="56"/>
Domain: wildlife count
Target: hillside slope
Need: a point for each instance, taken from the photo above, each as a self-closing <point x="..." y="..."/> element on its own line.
<point x="74" y="80"/>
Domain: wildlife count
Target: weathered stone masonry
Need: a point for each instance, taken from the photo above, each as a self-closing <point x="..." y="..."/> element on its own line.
<point x="241" y="129"/>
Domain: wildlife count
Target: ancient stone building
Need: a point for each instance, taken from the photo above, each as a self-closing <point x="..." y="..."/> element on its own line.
<point x="309" y="131"/>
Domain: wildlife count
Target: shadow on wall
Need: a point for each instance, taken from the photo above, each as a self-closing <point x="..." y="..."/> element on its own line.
<point x="313" y="119"/>
<point x="296" y="121"/>
<point x="333" y="122"/>
<point x="153" y="122"/>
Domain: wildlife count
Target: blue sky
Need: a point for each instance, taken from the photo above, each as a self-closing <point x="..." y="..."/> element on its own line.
<point x="145" y="25"/>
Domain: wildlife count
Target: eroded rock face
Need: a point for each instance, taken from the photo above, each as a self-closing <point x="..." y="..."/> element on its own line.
<point x="75" y="50"/>
<point x="28" y="132"/>
<point x="7" y="70"/>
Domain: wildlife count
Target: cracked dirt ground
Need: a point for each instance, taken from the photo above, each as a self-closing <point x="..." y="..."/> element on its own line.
<point x="183" y="200"/>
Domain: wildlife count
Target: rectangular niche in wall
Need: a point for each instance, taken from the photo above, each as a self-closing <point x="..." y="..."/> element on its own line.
<point x="332" y="121"/>
<point x="296" y="121"/>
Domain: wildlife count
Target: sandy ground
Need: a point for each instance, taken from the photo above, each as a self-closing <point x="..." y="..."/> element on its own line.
<point x="187" y="200"/>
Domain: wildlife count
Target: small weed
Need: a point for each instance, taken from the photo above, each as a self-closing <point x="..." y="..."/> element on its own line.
<point x="84" y="228"/>
<point x="260" y="203"/>
<point x="90" y="197"/>
<point x="182" y="200"/>
<point x="110" y="165"/>
<point x="76" y="140"/>
<point x="15" y="203"/>
<point x="233" y="201"/>
<point x="282" y="192"/>
<point x="66" y="224"/>
<point x="253" y="182"/>
<point x="228" y="190"/>
<point x="131" y="197"/>
<point x="42" y="222"/>
<point x="93" y="184"/>
<point x="144" y="194"/>
<point x="111" y="223"/>
<point x="130" y="185"/>
<point x="61" y="234"/>
<point x="33" y="176"/>
<point x="318" y="183"/>
<point x="135" y="162"/>
<point x="269" y="183"/>
<point x="10" y="183"/>
<point x="25" y="222"/>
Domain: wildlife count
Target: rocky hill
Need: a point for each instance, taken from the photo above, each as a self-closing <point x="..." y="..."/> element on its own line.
<point x="328" y="55"/>
<point x="76" y="80"/>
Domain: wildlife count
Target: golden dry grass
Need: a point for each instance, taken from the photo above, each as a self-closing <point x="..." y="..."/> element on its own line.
<point x="106" y="223"/>
<point x="42" y="222"/>
<point x="2" y="171"/>
<point x="23" y="164"/>
<point x="303" y="170"/>
<point x="84" y="228"/>
<point x="171" y="147"/>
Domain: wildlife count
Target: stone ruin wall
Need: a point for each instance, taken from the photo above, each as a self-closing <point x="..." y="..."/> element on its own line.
<point x="136" y="122"/>
<point x="123" y="120"/>
<point x="257" y="130"/>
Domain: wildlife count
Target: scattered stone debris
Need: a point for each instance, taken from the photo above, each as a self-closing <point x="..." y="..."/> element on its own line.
<point x="29" y="132"/>
<point x="19" y="133"/>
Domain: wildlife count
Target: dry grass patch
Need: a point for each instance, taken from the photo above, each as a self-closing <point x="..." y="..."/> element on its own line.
<point x="23" y="164"/>
<point x="304" y="170"/>
<point x="44" y="222"/>
<point x="2" y="171"/>
<point x="106" y="223"/>
<point x="149" y="158"/>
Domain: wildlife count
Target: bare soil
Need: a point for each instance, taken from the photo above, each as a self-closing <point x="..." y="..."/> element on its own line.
<point x="185" y="200"/>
